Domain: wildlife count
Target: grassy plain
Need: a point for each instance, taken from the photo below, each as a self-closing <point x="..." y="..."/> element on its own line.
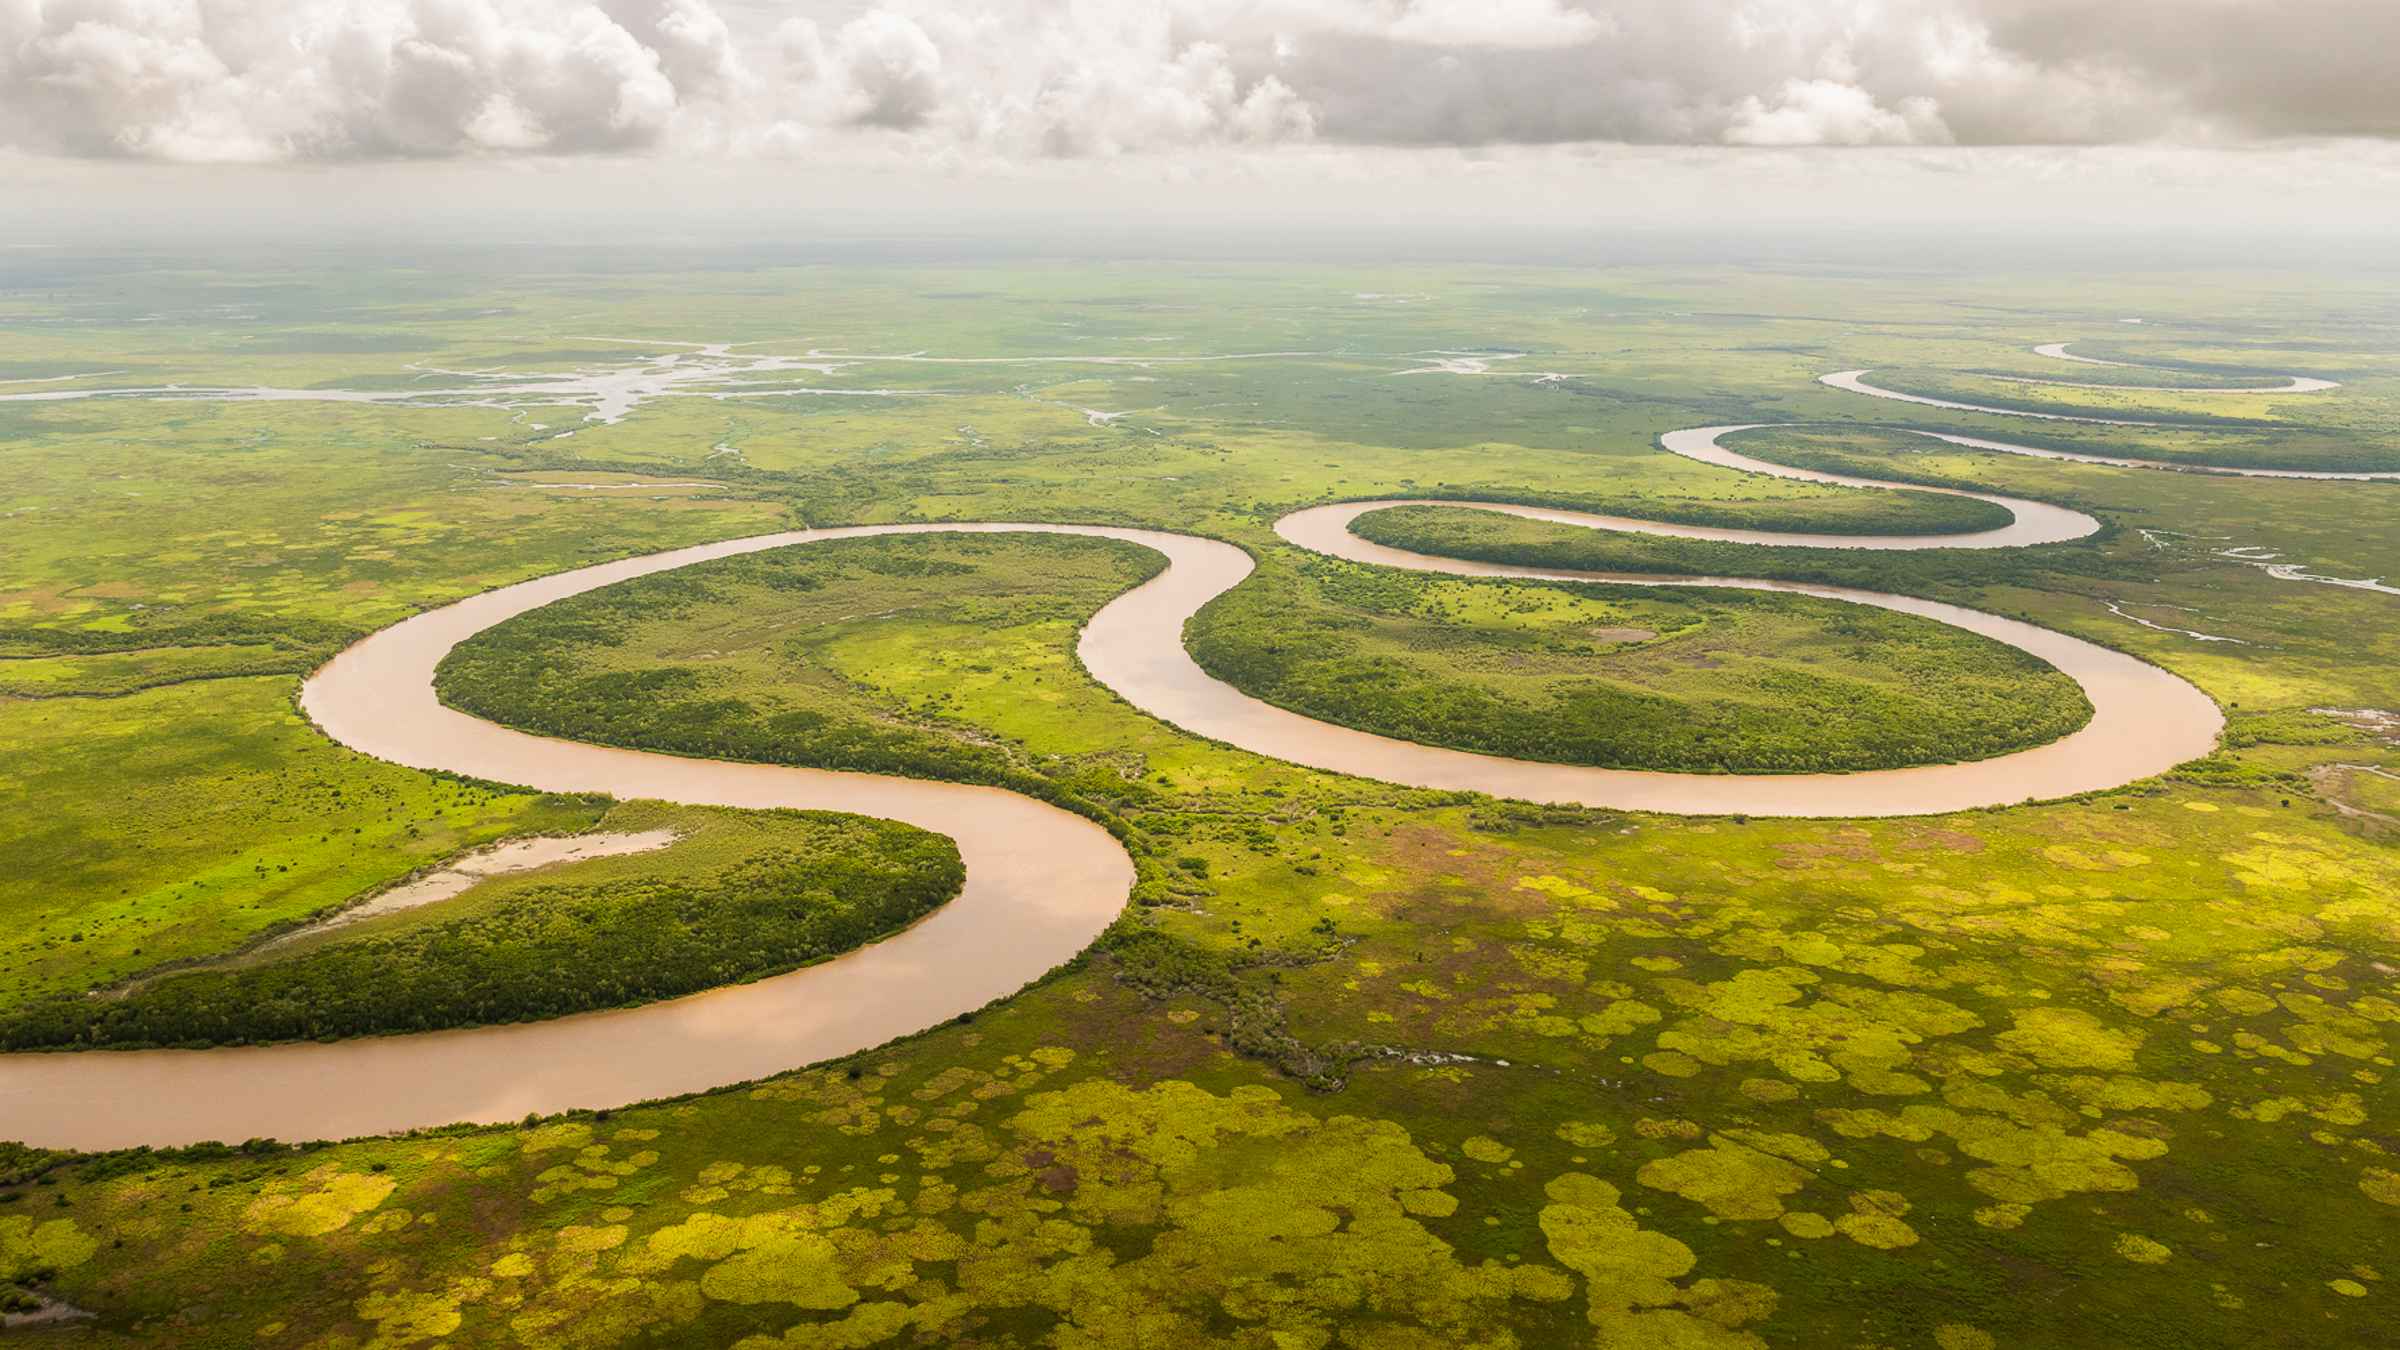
<point x="740" y="896"/>
<point x="185" y="821"/>
<point x="1369" y="1066"/>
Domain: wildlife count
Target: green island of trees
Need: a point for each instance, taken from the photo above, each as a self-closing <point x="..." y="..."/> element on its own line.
<point x="767" y="892"/>
<point x="1719" y="681"/>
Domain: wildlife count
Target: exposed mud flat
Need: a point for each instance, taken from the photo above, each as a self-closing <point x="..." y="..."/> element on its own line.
<point x="431" y="887"/>
<point x="606" y="393"/>
<point x="515" y="855"/>
<point x="2266" y="560"/>
<point x="2333" y="780"/>
<point x="51" y="1313"/>
<point x="2193" y="633"/>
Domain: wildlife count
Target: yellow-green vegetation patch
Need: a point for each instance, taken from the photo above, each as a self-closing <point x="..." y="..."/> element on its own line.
<point x="34" y="1248"/>
<point x="2065" y="1038"/>
<point x="1630" y="1272"/>
<point x="1732" y="1180"/>
<point x="2142" y="1250"/>
<point x="322" y="1201"/>
<point x="1874" y="1220"/>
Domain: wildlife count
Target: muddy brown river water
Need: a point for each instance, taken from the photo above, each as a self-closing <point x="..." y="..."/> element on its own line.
<point x="1041" y="882"/>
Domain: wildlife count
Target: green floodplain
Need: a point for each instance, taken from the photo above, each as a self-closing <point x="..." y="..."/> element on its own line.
<point x="1361" y="1065"/>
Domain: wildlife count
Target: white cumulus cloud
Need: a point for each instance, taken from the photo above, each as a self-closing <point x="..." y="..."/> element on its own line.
<point x="1828" y="112"/>
<point x="297" y="80"/>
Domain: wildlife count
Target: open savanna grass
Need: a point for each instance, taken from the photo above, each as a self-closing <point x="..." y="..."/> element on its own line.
<point x="2133" y="379"/>
<point x="2199" y="356"/>
<point x="1648" y="678"/>
<point x="740" y="896"/>
<point x="130" y="516"/>
<point x="123" y="672"/>
<point x="184" y="821"/>
<point x="1202" y="438"/>
<point x="1186" y="476"/>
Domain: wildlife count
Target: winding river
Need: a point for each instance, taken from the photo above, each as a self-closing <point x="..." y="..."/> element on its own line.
<point x="1041" y="882"/>
<point x="1855" y="382"/>
<point x="2057" y="351"/>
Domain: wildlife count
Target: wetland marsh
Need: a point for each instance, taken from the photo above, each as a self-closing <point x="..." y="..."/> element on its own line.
<point x="1805" y="1031"/>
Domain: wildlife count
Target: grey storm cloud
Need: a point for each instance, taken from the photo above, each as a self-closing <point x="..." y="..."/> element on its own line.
<point x="296" y="80"/>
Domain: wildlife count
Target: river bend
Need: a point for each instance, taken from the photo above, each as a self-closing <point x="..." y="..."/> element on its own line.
<point x="1041" y="883"/>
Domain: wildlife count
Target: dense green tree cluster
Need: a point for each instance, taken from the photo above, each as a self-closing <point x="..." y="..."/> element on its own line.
<point x="1865" y="513"/>
<point x="149" y="630"/>
<point x="1379" y="650"/>
<point x="1963" y="575"/>
<point x="831" y="885"/>
<point x="536" y="672"/>
<point x="545" y="671"/>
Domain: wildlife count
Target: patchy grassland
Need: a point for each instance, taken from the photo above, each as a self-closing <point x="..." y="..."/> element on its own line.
<point x="1367" y="1066"/>
<point x="2088" y="1044"/>
<point x="187" y="821"/>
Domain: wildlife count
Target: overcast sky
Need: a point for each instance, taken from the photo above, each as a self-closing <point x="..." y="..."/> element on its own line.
<point x="2070" y="111"/>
